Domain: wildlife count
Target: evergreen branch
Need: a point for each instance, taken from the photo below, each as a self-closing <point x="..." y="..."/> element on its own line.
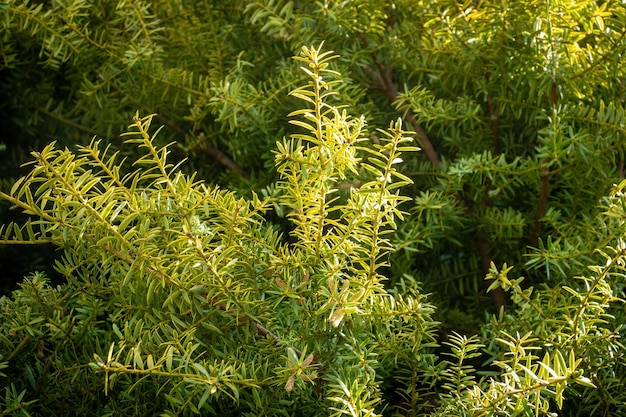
<point x="94" y="153"/>
<point x="143" y="125"/>
<point x="161" y="79"/>
<point x="591" y="293"/>
<point x="603" y="57"/>
<point x="116" y="368"/>
<point x="20" y="406"/>
<point x="129" y="260"/>
<point x="46" y="23"/>
<point x="142" y="23"/>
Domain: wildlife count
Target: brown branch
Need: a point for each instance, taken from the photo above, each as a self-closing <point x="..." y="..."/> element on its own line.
<point x="219" y="156"/>
<point x="205" y="147"/>
<point x="382" y="79"/>
<point x="262" y="330"/>
<point x="493" y="121"/>
<point x="68" y="122"/>
<point x="542" y="204"/>
<point x="498" y="295"/>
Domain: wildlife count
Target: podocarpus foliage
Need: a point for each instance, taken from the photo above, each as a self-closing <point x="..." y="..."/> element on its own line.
<point x="184" y="294"/>
<point x="517" y="105"/>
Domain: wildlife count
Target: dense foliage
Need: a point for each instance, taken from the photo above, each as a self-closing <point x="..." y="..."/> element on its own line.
<point x="269" y="276"/>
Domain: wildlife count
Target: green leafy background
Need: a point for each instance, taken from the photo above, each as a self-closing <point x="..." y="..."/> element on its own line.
<point x="321" y="238"/>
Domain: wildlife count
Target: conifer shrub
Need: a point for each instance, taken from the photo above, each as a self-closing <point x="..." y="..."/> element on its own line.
<point x="290" y="278"/>
<point x="518" y="107"/>
<point x="181" y="298"/>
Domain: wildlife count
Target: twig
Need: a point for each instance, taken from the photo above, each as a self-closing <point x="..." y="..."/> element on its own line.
<point x="383" y="80"/>
<point x="498" y="295"/>
<point x="541" y="207"/>
<point x="262" y="330"/>
<point x="493" y="121"/>
<point x="205" y="147"/>
<point x="68" y="122"/>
